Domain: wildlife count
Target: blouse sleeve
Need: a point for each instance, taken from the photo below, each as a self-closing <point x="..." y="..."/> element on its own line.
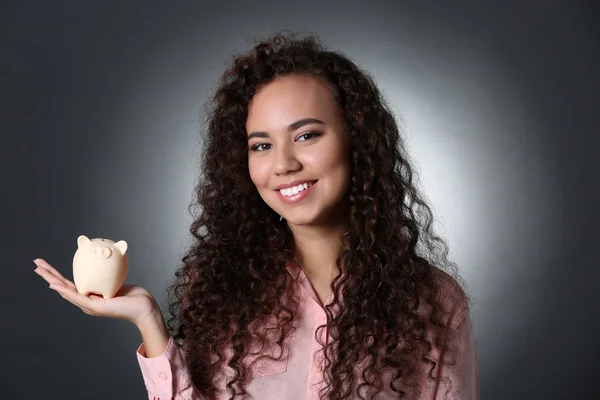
<point x="460" y="364"/>
<point x="167" y="376"/>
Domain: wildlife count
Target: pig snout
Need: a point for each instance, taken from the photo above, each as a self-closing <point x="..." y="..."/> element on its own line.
<point x="102" y="252"/>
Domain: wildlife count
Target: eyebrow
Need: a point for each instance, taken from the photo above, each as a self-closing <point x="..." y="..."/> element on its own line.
<point x="291" y="127"/>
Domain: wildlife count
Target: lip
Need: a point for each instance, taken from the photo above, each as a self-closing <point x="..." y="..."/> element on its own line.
<point x="294" y="183"/>
<point x="297" y="197"/>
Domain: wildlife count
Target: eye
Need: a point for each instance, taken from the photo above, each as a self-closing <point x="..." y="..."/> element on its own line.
<point x="314" y="134"/>
<point x="311" y="134"/>
<point x="256" y="146"/>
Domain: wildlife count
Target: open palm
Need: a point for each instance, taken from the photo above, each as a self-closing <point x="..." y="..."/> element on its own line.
<point x="130" y="303"/>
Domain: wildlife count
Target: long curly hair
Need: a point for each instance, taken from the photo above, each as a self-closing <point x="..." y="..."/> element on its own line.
<point x="234" y="279"/>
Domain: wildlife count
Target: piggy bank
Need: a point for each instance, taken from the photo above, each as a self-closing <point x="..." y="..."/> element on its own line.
<point x="99" y="266"/>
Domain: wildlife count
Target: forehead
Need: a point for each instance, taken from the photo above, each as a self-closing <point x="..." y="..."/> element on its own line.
<point x="290" y="98"/>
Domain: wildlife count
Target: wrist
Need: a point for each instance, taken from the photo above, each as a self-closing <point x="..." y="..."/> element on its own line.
<point x="154" y="333"/>
<point x="151" y="319"/>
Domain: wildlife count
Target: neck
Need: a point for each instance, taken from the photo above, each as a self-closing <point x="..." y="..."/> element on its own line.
<point x="318" y="245"/>
<point x="317" y="248"/>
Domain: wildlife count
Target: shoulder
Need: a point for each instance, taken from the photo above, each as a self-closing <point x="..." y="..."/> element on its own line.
<point x="454" y="343"/>
<point x="450" y="294"/>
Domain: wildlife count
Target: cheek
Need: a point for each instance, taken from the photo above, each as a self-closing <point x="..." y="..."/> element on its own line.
<point x="340" y="170"/>
<point x="334" y="162"/>
<point x="253" y="174"/>
<point x="258" y="174"/>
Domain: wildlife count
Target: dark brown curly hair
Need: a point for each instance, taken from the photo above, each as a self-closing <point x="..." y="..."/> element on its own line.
<point x="234" y="276"/>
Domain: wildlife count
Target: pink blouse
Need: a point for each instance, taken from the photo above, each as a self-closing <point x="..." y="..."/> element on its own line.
<point x="299" y="375"/>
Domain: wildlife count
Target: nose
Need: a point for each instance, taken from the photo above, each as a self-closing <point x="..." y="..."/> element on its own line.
<point x="102" y="252"/>
<point x="285" y="160"/>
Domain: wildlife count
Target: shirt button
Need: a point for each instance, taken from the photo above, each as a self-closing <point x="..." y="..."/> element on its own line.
<point x="162" y="376"/>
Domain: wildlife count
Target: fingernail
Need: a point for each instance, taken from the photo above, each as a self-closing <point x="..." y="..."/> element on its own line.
<point x="35" y="261"/>
<point x="56" y="286"/>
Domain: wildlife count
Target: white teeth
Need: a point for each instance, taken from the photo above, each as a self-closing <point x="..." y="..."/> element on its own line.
<point x="295" y="190"/>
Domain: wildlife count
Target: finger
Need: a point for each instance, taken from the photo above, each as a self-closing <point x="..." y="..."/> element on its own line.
<point x="51" y="279"/>
<point x="41" y="263"/>
<point x="85" y="310"/>
<point x="80" y="300"/>
<point x="66" y="298"/>
<point x="70" y="300"/>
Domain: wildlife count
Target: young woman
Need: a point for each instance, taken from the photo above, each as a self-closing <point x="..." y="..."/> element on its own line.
<point x="314" y="273"/>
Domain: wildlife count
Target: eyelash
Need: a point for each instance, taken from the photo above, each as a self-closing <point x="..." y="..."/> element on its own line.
<point x="314" y="134"/>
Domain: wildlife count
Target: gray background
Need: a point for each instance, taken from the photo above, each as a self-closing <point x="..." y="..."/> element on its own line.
<point x="100" y="110"/>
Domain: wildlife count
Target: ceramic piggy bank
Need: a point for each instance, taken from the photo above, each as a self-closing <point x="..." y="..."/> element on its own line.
<point x="99" y="266"/>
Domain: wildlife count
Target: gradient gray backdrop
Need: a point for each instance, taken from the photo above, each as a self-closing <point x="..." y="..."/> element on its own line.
<point x="100" y="115"/>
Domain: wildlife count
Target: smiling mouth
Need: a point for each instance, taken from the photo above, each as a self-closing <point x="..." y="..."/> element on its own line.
<point x="289" y="192"/>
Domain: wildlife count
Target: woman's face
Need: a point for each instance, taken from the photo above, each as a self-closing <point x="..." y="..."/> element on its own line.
<point x="282" y="148"/>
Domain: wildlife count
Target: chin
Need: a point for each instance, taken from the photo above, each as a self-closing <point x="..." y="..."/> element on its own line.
<point x="306" y="219"/>
<point x="300" y="221"/>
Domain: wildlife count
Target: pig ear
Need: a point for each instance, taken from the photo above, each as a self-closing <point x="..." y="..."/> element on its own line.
<point x="82" y="241"/>
<point x="122" y="246"/>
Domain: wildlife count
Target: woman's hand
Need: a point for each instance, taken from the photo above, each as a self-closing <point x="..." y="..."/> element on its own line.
<point x="131" y="303"/>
